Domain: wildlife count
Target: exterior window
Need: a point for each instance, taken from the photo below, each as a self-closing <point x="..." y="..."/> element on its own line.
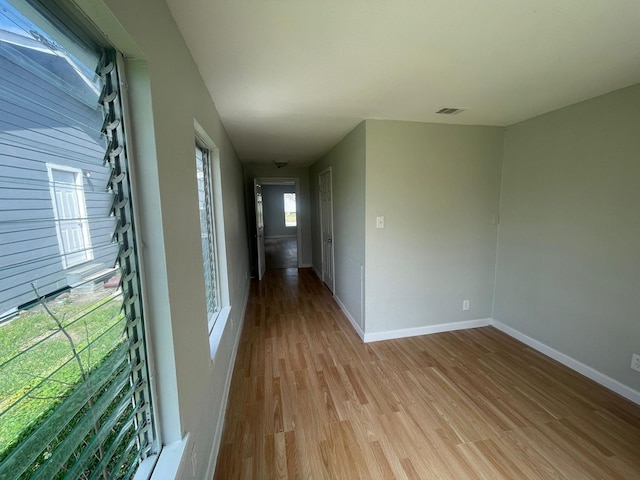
<point x="70" y="215"/>
<point x="290" y="210"/>
<point x="75" y="399"/>
<point x="208" y="232"/>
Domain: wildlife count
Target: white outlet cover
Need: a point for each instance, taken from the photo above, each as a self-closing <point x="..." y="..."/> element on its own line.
<point x="635" y="362"/>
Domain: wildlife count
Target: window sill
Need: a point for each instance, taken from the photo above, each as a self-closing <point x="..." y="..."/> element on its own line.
<point x="164" y="466"/>
<point x="216" y="332"/>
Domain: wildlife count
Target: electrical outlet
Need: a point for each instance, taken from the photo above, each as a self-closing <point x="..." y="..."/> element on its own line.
<point x="635" y="362"/>
<point x="465" y="305"/>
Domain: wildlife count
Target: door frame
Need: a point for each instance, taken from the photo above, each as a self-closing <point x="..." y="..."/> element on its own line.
<point x="261" y="261"/>
<point x="288" y="181"/>
<point x="333" y="233"/>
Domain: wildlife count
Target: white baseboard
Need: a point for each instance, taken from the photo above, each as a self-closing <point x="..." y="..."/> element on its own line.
<point x="317" y="272"/>
<point x="566" y="360"/>
<point x="572" y="363"/>
<point x="305" y="265"/>
<point x="347" y="314"/>
<point x="213" y="456"/>
<point x="426" y="330"/>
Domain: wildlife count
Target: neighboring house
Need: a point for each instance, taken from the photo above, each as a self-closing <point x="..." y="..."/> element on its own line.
<point x="53" y="229"/>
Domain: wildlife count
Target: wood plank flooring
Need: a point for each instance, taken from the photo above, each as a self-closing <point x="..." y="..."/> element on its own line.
<point x="310" y="400"/>
<point x="281" y="252"/>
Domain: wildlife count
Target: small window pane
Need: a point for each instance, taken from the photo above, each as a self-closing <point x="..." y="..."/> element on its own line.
<point x="290" y="210"/>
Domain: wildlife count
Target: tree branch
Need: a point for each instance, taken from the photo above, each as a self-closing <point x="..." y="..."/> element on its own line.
<point x="72" y="344"/>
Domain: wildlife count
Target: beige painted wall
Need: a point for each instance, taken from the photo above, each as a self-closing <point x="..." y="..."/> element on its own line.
<point x="347" y="161"/>
<point x="568" y="267"/>
<point x="438" y="188"/>
<point x="167" y="96"/>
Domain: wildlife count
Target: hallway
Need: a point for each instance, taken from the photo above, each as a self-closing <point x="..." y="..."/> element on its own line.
<point x="310" y="400"/>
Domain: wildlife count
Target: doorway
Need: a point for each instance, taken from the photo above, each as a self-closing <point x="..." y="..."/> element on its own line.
<point x="280" y="222"/>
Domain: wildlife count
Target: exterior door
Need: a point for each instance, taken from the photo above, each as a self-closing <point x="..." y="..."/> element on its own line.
<point x="326" y="225"/>
<point x="262" y="264"/>
<point x="70" y="214"/>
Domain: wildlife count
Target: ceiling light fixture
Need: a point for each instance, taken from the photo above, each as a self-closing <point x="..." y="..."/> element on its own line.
<point x="450" y="110"/>
<point x="281" y="164"/>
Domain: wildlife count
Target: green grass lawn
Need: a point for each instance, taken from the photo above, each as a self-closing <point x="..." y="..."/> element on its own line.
<point x="37" y="367"/>
<point x="290" y="219"/>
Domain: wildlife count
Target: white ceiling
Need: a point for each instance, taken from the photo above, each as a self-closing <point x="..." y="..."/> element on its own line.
<point x="291" y="77"/>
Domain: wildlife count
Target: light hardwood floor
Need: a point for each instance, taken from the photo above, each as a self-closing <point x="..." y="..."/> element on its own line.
<point x="310" y="400"/>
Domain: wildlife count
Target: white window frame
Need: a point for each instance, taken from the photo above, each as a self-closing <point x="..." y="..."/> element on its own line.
<point x="82" y="210"/>
<point x="211" y="231"/>
<point x="216" y="324"/>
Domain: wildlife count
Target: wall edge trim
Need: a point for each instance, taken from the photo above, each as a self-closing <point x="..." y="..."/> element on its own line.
<point x="352" y="320"/>
<point x="570" y="362"/>
<point x="426" y="330"/>
<point x="317" y="272"/>
<point x="217" y="438"/>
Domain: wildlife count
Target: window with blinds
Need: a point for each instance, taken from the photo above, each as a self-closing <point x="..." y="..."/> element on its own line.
<point x="75" y="399"/>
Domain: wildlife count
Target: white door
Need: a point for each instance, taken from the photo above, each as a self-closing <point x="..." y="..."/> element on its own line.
<point x="326" y="226"/>
<point x="70" y="215"/>
<point x="262" y="264"/>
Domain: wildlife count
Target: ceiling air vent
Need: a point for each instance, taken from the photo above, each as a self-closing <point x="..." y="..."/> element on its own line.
<point x="449" y="110"/>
